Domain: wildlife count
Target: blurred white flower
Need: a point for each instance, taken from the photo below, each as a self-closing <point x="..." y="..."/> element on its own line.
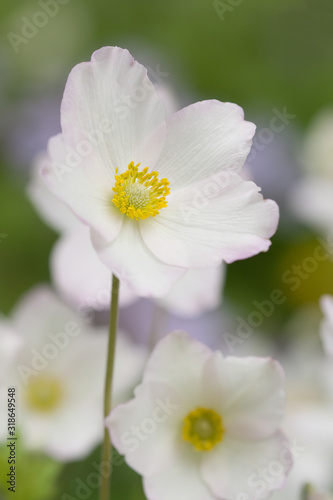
<point x="204" y="427"/>
<point x="59" y="376"/>
<point x="10" y="344"/>
<point x="308" y="418"/>
<point x="312" y="198"/>
<point x="326" y="330"/>
<point x="192" y="211"/>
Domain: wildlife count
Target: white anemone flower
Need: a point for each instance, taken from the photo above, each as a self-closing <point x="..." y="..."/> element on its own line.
<point x="59" y="375"/>
<point x="84" y="281"/>
<point x="326" y="302"/>
<point x="160" y="195"/>
<point x="204" y="427"/>
<point x="312" y="198"/>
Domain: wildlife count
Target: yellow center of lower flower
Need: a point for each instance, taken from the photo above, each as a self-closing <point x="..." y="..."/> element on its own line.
<point x="203" y="429"/>
<point x="44" y="393"/>
<point x="140" y="194"/>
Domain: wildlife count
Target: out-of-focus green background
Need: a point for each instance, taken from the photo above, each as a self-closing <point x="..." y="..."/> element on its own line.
<point x="263" y="55"/>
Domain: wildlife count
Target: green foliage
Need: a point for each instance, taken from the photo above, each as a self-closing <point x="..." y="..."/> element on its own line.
<point x="36" y="475"/>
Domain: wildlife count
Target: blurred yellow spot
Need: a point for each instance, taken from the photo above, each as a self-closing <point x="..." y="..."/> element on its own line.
<point x="203" y="429"/>
<point x="44" y="393"/>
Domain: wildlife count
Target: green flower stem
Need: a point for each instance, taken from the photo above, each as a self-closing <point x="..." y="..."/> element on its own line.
<point x="107" y="445"/>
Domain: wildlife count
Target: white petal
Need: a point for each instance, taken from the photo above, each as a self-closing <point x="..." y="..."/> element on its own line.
<point x="40" y="313"/>
<point x="198" y="291"/>
<point x="80" y="276"/>
<point x="198" y="229"/>
<point x="177" y="356"/>
<point x="54" y="212"/>
<point x="179" y="361"/>
<point x="85" y="187"/>
<point x="248" y="393"/>
<point x="203" y="139"/>
<point x="181" y="481"/>
<point x="239" y="470"/>
<point x="112" y="95"/>
<point x="131" y="260"/>
<point x="147" y="429"/>
<point x="130" y="360"/>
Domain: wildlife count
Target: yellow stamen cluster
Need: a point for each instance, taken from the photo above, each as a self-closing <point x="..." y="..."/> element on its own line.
<point x="140" y="194"/>
<point x="203" y="429"/>
<point x="44" y="393"/>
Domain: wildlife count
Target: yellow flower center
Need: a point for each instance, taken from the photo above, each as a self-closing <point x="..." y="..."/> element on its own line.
<point x="203" y="429"/>
<point x="44" y="393"/>
<point x="140" y="194"/>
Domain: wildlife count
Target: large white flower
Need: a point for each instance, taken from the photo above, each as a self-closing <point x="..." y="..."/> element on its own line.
<point x="59" y="376"/>
<point x="85" y="282"/>
<point x="204" y="427"/>
<point x="326" y="302"/>
<point x="160" y="195"/>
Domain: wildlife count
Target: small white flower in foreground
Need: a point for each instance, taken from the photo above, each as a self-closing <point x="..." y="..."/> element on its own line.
<point x="59" y="375"/>
<point x="326" y="332"/>
<point x="204" y="427"/>
<point x="312" y="197"/>
<point x="160" y="195"/>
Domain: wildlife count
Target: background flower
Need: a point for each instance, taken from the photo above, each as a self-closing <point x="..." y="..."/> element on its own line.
<point x="58" y="374"/>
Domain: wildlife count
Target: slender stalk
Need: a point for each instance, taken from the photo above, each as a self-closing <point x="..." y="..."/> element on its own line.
<point x="107" y="445"/>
